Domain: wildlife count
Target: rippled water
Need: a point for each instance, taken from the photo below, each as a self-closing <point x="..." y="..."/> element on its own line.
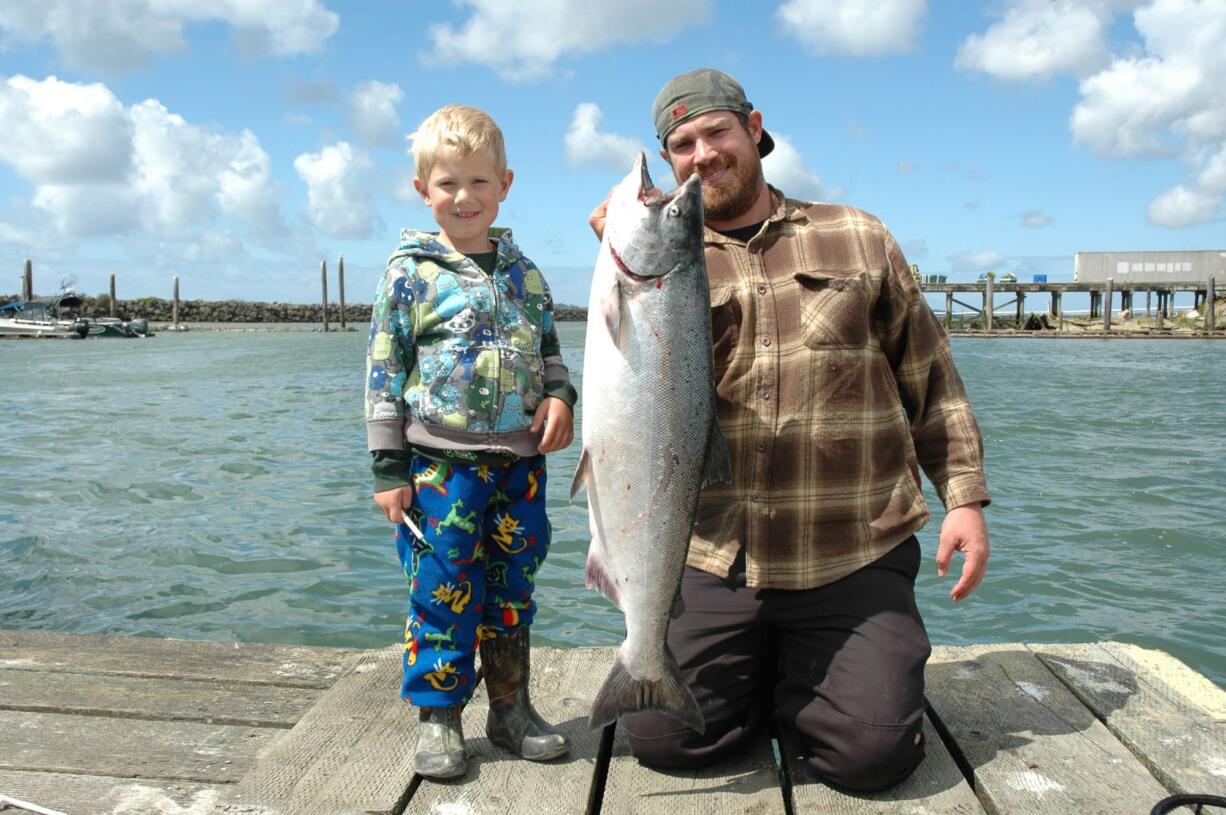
<point x="216" y="485"/>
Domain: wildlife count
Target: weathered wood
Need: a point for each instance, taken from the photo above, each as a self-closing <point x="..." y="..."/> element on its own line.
<point x="937" y="787"/>
<point x="1211" y="305"/>
<point x="949" y="309"/>
<point x="112" y="295"/>
<point x="142" y="698"/>
<point x="100" y="795"/>
<point x="988" y="309"/>
<point x="1107" y="305"/>
<point x="340" y="283"/>
<point x="1182" y="743"/>
<point x="323" y="282"/>
<point x="27" y="281"/>
<point x="128" y="748"/>
<point x="174" y="309"/>
<point x="1021" y="308"/>
<point x="352" y="752"/>
<point x="288" y="665"/>
<point x="564" y="685"/>
<point x="1031" y="745"/>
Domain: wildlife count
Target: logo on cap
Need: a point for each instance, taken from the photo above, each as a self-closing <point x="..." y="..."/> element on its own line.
<point x="678" y="111"/>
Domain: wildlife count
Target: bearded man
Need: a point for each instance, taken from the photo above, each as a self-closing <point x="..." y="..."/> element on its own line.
<point x="835" y="387"/>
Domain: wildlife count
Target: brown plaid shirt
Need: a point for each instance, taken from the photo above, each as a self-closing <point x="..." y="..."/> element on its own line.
<point x="835" y="385"/>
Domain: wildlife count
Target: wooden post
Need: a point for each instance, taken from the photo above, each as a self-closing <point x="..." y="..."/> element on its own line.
<point x="1147" y="296"/>
<point x="1021" y="307"/>
<point x="1058" y="308"/>
<point x="174" y="314"/>
<point x="987" y="305"/>
<point x="1159" y="310"/>
<point x="949" y="308"/>
<point x="112" y="295"/>
<point x="323" y="281"/>
<point x="1210" y="306"/>
<point x="1107" y="305"/>
<point x="27" y="286"/>
<point x="340" y="274"/>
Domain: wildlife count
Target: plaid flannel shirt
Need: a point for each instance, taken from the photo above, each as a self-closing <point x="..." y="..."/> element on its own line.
<point x="835" y="386"/>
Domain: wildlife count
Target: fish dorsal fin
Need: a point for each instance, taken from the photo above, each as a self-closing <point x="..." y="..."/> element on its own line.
<point x="717" y="466"/>
<point x="582" y="471"/>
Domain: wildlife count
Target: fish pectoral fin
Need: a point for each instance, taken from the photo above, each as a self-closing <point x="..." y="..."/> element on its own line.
<point x="579" y="482"/>
<point x="717" y="466"/>
<point x="596" y="576"/>
<point x="611" y="310"/>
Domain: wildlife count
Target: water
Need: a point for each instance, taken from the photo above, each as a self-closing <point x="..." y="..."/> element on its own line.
<point x="216" y="486"/>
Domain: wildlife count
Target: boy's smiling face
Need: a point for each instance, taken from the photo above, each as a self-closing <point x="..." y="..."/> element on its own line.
<point x="463" y="193"/>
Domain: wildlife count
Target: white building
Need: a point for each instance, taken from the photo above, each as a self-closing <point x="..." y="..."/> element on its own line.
<point x="1150" y="267"/>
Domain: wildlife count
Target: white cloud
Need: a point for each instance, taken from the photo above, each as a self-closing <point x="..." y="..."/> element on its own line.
<point x="1181" y="206"/>
<point x="372" y="113"/>
<point x="976" y="262"/>
<point x="1035" y="219"/>
<point x="785" y="168"/>
<point x="1168" y="101"/>
<point x="339" y="190"/>
<point x="521" y="41"/>
<point x="99" y="168"/>
<point x="857" y="29"/>
<point x="1038" y="39"/>
<point x="585" y="144"/>
<point x="118" y="35"/>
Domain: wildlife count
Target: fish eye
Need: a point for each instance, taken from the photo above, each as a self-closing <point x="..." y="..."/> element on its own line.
<point x="674" y="210"/>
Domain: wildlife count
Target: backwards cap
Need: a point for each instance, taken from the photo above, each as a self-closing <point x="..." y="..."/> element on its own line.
<point x="698" y="92"/>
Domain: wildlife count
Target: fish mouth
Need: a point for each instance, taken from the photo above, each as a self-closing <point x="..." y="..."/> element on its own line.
<point x="624" y="269"/>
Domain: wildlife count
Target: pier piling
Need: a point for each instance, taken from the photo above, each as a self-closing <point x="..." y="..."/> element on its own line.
<point x="949" y="309"/>
<point x="987" y="305"/>
<point x="1107" y="305"/>
<point x="112" y="295"/>
<point x="1210" y="306"/>
<point x="27" y="282"/>
<point x="340" y="282"/>
<point x="323" y="281"/>
<point x="174" y="313"/>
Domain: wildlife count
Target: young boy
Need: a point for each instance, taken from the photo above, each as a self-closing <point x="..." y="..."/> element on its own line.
<point x="465" y="393"/>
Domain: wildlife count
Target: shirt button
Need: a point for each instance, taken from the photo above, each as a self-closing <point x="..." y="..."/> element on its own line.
<point x="766" y="341"/>
<point x="838" y="285"/>
<point x="766" y="393"/>
<point x="755" y="499"/>
<point x="761" y="447"/>
<point x="761" y="289"/>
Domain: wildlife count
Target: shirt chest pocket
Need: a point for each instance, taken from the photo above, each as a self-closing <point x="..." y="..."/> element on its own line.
<point x="725" y="328"/>
<point x="834" y="309"/>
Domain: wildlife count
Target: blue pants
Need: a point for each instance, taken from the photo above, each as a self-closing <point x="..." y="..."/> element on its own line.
<point x="471" y="575"/>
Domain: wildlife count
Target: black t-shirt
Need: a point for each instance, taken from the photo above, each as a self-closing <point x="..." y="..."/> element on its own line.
<point x="743" y="233"/>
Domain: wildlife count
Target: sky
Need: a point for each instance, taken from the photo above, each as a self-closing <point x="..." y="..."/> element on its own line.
<point x="239" y="143"/>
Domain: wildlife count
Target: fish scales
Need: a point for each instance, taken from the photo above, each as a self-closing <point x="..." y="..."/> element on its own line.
<point x="650" y="434"/>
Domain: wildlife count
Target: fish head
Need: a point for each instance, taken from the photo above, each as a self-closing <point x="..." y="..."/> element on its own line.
<point x="650" y="233"/>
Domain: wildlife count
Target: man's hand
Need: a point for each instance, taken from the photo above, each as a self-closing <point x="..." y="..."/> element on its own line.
<point x="559" y="424"/>
<point x="394" y="502"/>
<point x="964" y="530"/>
<point x="597" y="218"/>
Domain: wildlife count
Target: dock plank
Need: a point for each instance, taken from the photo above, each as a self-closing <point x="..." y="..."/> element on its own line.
<point x="128" y="748"/>
<point x="290" y="665"/>
<point x="935" y="788"/>
<point x="350" y="753"/>
<point x="748" y="783"/>
<point x="564" y="684"/>
<point x="1032" y="746"/>
<point x="100" y="795"/>
<point x="1181" y="742"/>
<point x="155" y="698"/>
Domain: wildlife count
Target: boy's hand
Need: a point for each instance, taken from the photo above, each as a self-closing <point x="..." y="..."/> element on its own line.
<point x="394" y="502"/>
<point x="559" y="424"/>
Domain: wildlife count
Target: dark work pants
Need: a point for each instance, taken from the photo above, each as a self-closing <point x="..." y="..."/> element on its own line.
<point x="842" y="663"/>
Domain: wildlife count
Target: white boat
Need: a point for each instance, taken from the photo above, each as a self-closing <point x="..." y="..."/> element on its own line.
<point x="34" y="319"/>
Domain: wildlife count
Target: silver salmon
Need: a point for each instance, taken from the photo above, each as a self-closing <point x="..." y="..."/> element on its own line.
<point x="651" y="440"/>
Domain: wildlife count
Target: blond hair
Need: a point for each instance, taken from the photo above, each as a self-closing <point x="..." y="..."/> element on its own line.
<point x="461" y="128"/>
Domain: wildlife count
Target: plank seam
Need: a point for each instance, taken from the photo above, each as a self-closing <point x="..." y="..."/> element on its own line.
<point x="600" y="772"/>
<point x="955" y="750"/>
<point x="103" y="713"/>
<point x="213" y="680"/>
<point x="95" y="773"/>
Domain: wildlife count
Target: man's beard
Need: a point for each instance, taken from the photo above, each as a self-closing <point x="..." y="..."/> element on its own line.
<point x="735" y="194"/>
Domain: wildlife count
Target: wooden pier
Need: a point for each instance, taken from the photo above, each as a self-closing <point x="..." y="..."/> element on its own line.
<point x="97" y="725"/>
<point x="994" y="313"/>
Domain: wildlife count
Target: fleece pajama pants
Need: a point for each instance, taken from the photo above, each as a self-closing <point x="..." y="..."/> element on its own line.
<point x="485" y="534"/>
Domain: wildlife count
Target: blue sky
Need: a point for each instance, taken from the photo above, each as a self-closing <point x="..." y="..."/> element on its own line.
<point x="240" y="145"/>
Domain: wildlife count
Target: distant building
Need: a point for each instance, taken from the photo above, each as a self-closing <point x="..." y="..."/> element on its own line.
<point x="1150" y="267"/>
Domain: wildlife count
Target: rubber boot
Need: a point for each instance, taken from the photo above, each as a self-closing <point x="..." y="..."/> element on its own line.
<point x="512" y="724"/>
<point x="440" y="743"/>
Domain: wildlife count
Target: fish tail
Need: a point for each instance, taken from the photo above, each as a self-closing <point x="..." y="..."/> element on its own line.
<point x="622" y="694"/>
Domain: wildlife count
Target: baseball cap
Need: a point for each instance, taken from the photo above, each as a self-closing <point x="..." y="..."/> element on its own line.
<point x="698" y="92"/>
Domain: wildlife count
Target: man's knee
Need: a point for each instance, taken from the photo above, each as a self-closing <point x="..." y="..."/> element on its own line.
<point x="873" y="758"/>
<point x="656" y="739"/>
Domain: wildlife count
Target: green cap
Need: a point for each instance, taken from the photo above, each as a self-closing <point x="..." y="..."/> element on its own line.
<point x="698" y="92"/>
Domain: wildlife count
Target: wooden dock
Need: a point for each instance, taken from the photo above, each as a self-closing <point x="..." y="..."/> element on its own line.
<point x="96" y="725"/>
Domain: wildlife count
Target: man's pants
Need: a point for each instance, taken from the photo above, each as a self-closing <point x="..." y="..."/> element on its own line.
<point x="845" y="663"/>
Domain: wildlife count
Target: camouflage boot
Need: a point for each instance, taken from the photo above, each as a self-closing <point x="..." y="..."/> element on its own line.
<point x="440" y="743"/>
<point x="512" y="724"/>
